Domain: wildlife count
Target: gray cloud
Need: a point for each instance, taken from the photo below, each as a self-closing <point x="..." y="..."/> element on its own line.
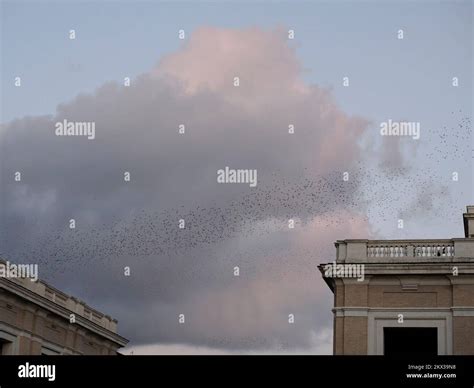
<point x="173" y="176"/>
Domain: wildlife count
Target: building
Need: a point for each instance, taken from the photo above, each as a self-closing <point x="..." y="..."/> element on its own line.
<point x="404" y="296"/>
<point x="36" y="318"/>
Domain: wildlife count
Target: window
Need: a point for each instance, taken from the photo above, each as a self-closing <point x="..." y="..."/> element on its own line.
<point x="5" y="347"/>
<point x="410" y="341"/>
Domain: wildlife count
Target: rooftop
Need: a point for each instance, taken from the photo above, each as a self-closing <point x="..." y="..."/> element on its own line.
<point x="51" y="298"/>
<point x="443" y="250"/>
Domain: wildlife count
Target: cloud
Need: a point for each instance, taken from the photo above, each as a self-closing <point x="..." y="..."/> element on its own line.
<point x="212" y="57"/>
<point x="173" y="176"/>
<point x="321" y="343"/>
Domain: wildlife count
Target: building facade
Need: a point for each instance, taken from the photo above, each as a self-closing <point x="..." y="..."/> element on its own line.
<point x="404" y="296"/>
<point x="36" y="319"/>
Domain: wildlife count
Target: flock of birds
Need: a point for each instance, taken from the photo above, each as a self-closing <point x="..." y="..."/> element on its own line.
<point x="370" y="192"/>
<point x="454" y="142"/>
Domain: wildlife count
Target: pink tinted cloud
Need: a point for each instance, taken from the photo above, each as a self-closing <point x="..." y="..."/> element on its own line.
<point x="272" y="91"/>
<point x="251" y="307"/>
<point x="212" y="57"/>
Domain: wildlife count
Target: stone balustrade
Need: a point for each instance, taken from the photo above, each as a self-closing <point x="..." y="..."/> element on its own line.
<point x="392" y="250"/>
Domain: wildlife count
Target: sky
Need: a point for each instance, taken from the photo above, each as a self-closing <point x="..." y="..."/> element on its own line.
<point x="189" y="81"/>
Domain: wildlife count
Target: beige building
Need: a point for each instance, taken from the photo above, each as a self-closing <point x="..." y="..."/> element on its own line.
<point x="36" y="318"/>
<point x="404" y="296"/>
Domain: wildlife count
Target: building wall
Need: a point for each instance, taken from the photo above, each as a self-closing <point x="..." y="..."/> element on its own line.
<point x="32" y="330"/>
<point x="463" y="335"/>
<point x="355" y="335"/>
<point x="463" y="326"/>
<point x="437" y="299"/>
<point x="338" y="344"/>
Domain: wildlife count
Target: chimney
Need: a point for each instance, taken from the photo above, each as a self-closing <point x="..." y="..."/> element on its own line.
<point x="469" y="222"/>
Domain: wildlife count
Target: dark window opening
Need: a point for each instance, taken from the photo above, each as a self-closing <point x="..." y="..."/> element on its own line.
<point x="409" y="341"/>
<point x="5" y="346"/>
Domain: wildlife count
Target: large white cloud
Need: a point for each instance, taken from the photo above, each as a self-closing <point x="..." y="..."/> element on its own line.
<point x="174" y="176"/>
